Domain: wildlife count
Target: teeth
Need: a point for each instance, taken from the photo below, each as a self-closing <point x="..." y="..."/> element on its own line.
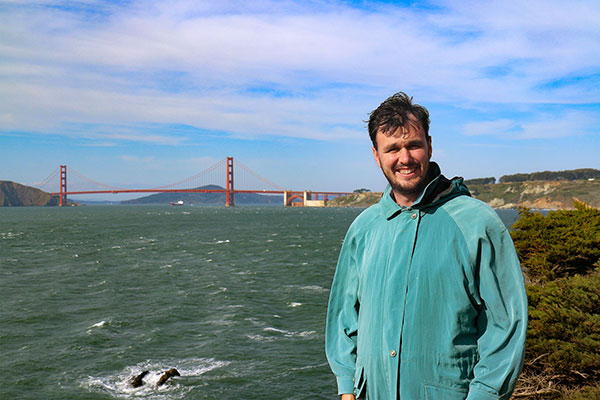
<point x="406" y="171"/>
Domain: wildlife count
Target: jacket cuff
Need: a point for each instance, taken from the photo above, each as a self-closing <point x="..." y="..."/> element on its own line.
<point x="345" y="384"/>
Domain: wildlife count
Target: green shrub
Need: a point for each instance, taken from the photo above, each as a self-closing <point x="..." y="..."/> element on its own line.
<point x="560" y="254"/>
<point x="563" y="336"/>
<point x="561" y="244"/>
<point x="586" y="393"/>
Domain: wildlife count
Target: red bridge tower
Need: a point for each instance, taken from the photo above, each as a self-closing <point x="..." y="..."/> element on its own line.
<point x="229" y="201"/>
<point x="62" y="199"/>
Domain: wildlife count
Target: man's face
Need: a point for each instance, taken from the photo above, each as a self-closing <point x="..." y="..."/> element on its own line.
<point x="404" y="156"/>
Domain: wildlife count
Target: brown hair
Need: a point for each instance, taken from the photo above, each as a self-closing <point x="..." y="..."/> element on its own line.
<point x="393" y="113"/>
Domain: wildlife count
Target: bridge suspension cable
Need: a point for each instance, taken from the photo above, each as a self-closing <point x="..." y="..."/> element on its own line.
<point x="71" y="170"/>
<point x="257" y="176"/>
<point x="193" y="177"/>
<point x="46" y="181"/>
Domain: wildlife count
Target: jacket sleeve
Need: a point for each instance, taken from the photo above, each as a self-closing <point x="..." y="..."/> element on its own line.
<point x="502" y="323"/>
<point x="342" y="319"/>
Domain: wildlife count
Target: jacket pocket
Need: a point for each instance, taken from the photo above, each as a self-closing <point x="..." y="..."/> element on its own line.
<point x="435" y="392"/>
<point x="360" y="384"/>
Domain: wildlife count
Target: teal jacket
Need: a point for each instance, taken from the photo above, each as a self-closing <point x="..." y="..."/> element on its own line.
<point x="428" y="301"/>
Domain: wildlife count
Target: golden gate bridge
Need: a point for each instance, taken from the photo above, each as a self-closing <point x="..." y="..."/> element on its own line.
<point x="246" y="180"/>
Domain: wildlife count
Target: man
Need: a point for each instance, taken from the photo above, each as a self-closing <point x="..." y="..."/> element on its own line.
<point x="428" y="300"/>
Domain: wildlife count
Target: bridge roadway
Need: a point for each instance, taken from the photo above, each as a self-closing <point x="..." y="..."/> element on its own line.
<point x="307" y="197"/>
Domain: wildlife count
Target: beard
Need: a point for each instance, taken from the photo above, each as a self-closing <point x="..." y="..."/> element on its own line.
<point x="412" y="187"/>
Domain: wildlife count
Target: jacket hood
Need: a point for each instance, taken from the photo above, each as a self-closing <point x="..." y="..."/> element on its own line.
<point x="439" y="190"/>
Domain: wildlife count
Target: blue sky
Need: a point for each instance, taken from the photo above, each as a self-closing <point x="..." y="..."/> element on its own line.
<point x="145" y="93"/>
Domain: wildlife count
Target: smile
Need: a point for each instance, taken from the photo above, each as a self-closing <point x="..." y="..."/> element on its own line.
<point x="406" y="171"/>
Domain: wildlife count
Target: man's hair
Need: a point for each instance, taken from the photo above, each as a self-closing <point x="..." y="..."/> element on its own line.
<point x="393" y="114"/>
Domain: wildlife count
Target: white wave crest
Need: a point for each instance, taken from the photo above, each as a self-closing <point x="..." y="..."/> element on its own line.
<point x="98" y="325"/>
<point x="287" y="333"/>
<point x="118" y="384"/>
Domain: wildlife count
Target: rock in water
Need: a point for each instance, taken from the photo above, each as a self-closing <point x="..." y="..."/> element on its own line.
<point x="139" y="380"/>
<point x="166" y="375"/>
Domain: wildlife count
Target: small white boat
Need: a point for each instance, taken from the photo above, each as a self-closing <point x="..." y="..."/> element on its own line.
<point x="177" y="203"/>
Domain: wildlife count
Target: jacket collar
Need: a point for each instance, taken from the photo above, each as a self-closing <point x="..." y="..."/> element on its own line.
<point x="438" y="190"/>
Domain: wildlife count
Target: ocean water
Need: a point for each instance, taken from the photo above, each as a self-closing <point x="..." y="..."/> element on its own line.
<point x="234" y="298"/>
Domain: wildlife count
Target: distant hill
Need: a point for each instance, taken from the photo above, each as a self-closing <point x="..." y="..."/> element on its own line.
<point x="529" y="194"/>
<point x="14" y="194"/>
<point x="207" y="198"/>
<point x="538" y="194"/>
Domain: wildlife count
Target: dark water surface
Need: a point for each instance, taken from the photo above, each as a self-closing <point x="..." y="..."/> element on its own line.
<point x="234" y="298"/>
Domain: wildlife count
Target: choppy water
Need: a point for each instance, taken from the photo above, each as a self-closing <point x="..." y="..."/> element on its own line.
<point x="235" y="299"/>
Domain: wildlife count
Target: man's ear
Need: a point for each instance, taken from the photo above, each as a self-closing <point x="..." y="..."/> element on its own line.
<point x="429" y="145"/>
<point x="376" y="156"/>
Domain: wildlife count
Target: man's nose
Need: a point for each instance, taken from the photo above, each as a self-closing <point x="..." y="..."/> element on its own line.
<point x="404" y="156"/>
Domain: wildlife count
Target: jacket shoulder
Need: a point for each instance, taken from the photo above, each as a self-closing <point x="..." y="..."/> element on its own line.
<point x="473" y="216"/>
<point x="366" y="219"/>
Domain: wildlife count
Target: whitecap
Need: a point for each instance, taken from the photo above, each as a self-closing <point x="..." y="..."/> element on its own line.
<point x="220" y="290"/>
<point x="118" y="384"/>
<point x="254" y="321"/>
<point x="271" y="329"/>
<point x="245" y="273"/>
<point x="98" y="324"/>
<point x="309" y="287"/>
<point x="200" y="366"/>
<point x="259" y="338"/>
<point x="294" y="304"/>
<point x="10" y="235"/>
<point x="287" y="333"/>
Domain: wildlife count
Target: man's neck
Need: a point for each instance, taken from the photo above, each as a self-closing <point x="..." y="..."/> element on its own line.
<point x="402" y="199"/>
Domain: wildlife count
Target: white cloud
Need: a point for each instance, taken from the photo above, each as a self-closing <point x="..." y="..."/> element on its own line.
<point x="205" y="64"/>
<point x="552" y="126"/>
<point x="546" y="126"/>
